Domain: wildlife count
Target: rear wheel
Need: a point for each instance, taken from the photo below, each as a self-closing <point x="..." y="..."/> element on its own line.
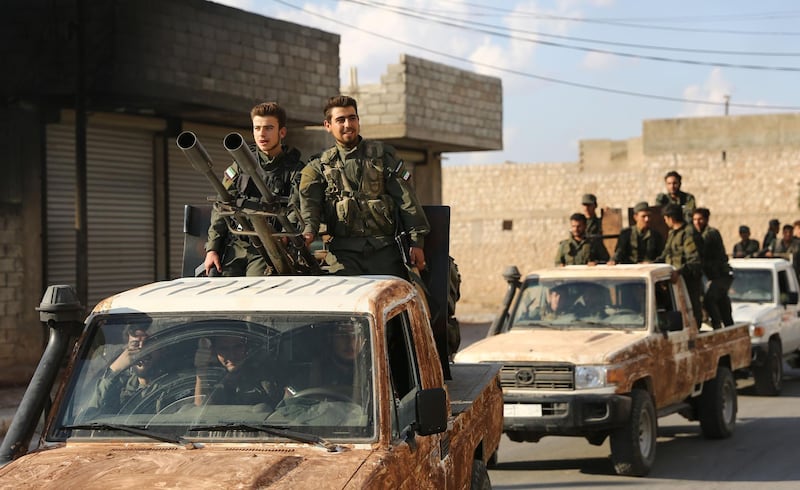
<point x="480" y="476"/>
<point x="717" y="407"/>
<point x="769" y="376"/>
<point x="633" y="447"/>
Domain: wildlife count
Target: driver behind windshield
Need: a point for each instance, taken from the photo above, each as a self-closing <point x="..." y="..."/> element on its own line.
<point x="240" y="382"/>
<point x="138" y="391"/>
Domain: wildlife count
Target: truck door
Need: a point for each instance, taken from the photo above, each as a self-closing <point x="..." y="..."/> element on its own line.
<point x="675" y="350"/>
<point x="420" y="457"/>
<point x="790" y="319"/>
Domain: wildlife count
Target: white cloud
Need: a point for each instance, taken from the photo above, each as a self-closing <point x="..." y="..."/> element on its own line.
<point x="598" y="61"/>
<point x="713" y="89"/>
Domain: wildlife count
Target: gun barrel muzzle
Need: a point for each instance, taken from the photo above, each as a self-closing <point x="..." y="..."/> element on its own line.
<point x="234" y="143"/>
<point x="198" y="156"/>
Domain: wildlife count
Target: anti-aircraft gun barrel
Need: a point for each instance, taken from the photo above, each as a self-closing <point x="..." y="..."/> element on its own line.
<point x="198" y="156"/>
<point x="236" y="146"/>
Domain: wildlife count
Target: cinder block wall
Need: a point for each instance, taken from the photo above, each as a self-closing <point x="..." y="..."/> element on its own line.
<point x="750" y="186"/>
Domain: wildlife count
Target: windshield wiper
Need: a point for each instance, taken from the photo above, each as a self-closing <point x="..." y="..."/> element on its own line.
<point x="138" y="431"/>
<point x="272" y="430"/>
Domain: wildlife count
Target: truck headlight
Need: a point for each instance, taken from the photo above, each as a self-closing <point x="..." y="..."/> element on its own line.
<point x="590" y="377"/>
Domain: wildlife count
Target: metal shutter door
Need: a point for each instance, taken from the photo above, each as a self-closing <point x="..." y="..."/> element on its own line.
<point x="120" y="208"/>
<point x="188" y="186"/>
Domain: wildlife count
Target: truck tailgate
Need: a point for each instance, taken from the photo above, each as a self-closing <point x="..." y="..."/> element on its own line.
<point x="469" y="380"/>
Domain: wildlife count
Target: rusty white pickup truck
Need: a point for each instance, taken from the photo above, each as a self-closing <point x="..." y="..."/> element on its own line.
<point x="603" y="352"/>
<point x="281" y="382"/>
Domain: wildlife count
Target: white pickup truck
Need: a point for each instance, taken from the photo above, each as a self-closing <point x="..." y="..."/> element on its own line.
<point x="764" y="294"/>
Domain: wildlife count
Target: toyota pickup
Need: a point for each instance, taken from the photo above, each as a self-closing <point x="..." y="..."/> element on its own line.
<point x="764" y="295"/>
<point x="279" y="381"/>
<point x="602" y="352"/>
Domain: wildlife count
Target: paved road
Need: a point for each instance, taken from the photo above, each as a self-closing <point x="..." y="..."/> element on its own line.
<point x="764" y="451"/>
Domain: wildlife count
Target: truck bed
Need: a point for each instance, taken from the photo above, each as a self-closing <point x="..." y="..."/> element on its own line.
<point x="467" y="383"/>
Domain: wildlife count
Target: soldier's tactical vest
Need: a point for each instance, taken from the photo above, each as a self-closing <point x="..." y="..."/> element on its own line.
<point x="358" y="209"/>
<point x="279" y="180"/>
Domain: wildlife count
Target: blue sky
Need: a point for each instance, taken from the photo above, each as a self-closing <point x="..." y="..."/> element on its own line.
<point x="545" y="50"/>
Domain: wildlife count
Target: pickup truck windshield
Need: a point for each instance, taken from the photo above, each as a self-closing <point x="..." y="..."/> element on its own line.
<point x="177" y="373"/>
<point x="751" y="286"/>
<point x="581" y="303"/>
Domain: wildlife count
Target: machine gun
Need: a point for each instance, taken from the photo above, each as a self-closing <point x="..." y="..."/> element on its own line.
<point x="284" y="251"/>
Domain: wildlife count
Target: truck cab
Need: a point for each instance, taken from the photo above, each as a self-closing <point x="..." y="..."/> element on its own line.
<point x="300" y="382"/>
<point x="764" y="294"/>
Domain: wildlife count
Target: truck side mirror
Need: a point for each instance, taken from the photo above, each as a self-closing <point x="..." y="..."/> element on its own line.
<point x="431" y="411"/>
<point x="672" y="321"/>
<point x="789" y="298"/>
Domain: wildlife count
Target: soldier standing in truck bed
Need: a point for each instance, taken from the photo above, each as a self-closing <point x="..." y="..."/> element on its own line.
<point x="279" y="166"/>
<point x="682" y="252"/>
<point x="578" y="249"/>
<point x="675" y="195"/>
<point x="638" y="244"/>
<point x="594" y="226"/>
<point x="716" y="269"/>
<point x="360" y="190"/>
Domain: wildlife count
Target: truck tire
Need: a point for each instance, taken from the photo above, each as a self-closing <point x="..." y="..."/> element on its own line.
<point x="769" y="376"/>
<point x="717" y="407"/>
<point x="480" y="476"/>
<point x="633" y="447"/>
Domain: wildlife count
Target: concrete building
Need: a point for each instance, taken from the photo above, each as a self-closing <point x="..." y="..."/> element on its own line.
<point x="94" y="94"/>
<point x="743" y="168"/>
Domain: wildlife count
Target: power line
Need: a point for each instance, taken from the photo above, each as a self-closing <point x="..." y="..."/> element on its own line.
<point x="631" y="22"/>
<point x="407" y="13"/>
<point x="339" y="23"/>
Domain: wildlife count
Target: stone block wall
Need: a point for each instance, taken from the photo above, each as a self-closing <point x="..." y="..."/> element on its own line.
<point x="428" y="101"/>
<point x="752" y="185"/>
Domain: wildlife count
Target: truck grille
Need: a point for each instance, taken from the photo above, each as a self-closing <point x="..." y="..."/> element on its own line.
<point x="538" y="376"/>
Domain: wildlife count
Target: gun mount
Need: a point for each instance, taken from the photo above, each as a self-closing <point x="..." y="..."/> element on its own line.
<point x="284" y="251"/>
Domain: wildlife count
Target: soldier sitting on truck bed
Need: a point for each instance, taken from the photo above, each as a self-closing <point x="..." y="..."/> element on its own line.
<point x="638" y="244"/>
<point x="747" y="248"/>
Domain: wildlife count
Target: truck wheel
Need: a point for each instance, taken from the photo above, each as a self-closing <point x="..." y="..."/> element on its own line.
<point x="633" y="447"/>
<point x="480" y="476"/>
<point x="769" y="376"/>
<point x="717" y="407"/>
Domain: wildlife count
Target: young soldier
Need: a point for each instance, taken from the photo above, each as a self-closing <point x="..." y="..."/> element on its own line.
<point x="716" y="269"/>
<point x="594" y="226"/>
<point x="360" y="190"/>
<point x="577" y="249"/>
<point x="279" y="167"/>
<point x="747" y="248"/>
<point x="675" y="195"/>
<point x="638" y="244"/>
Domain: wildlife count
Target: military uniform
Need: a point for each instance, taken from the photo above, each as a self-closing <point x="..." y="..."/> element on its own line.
<point x="683" y="199"/>
<point x="363" y="197"/>
<point x="594" y="226"/>
<point x="635" y="246"/>
<point x="282" y="175"/>
<point x="681" y="252"/>
<point x="746" y="249"/>
<point x="574" y="252"/>
<point x="720" y="277"/>
<point x="122" y="391"/>
<point x="790" y="251"/>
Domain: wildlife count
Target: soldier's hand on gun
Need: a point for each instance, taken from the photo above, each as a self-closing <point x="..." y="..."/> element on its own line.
<point x="212" y="260"/>
<point x="417" y="258"/>
<point x="309" y="238"/>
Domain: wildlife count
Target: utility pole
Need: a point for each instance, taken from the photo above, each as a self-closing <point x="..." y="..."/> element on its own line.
<point x="727" y="103"/>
